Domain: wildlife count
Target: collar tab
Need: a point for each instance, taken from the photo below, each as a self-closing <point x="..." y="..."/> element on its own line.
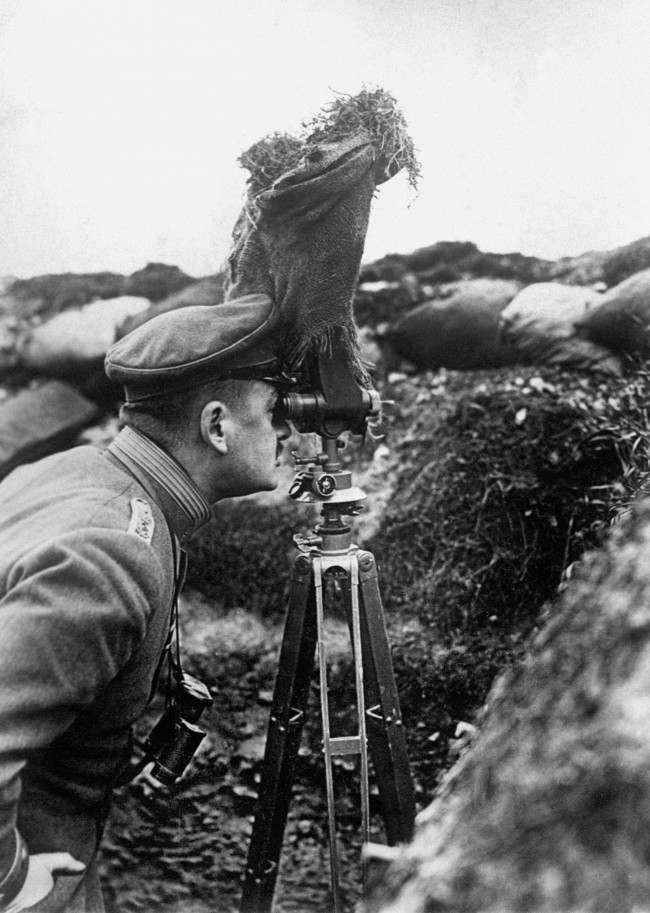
<point x="179" y="498"/>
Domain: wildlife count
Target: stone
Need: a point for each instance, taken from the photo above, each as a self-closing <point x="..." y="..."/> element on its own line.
<point x="622" y="319"/>
<point x="540" y="326"/>
<point x="458" y="332"/>
<point x="76" y="339"/>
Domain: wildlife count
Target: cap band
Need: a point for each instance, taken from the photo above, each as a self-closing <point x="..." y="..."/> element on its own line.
<point x="270" y="372"/>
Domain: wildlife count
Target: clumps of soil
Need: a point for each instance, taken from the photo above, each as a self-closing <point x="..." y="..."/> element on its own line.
<point x="503" y="480"/>
<point x="42" y="297"/>
<point x="450" y="261"/>
<point x="373" y="111"/>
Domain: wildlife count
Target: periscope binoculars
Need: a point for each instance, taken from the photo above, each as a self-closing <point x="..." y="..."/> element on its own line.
<point x="329" y="400"/>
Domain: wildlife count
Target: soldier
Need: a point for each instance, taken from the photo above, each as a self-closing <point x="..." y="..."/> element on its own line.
<point x="90" y="564"/>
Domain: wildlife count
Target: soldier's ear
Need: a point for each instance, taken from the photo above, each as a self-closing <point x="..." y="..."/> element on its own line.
<point x="215" y="425"/>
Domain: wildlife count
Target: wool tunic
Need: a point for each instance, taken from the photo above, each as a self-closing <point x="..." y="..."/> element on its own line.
<point x="85" y="602"/>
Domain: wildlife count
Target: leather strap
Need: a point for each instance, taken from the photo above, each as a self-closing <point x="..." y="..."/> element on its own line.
<point x="15" y="878"/>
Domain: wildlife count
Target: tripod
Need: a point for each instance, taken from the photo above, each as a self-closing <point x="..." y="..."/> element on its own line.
<point x="380" y="731"/>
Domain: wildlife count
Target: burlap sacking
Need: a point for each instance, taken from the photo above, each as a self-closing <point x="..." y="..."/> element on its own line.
<point x="301" y="242"/>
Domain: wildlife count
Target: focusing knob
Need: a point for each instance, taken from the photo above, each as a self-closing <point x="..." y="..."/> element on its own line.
<point x="325" y="485"/>
<point x="300" y="485"/>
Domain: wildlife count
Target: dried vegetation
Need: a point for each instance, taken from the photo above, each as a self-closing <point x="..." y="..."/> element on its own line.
<point x="374" y="112"/>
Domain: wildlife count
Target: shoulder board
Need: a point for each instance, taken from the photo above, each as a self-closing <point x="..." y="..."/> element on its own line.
<point x="142" y="522"/>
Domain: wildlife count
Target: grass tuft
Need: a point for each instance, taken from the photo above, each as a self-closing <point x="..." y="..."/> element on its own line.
<point x="374" y="111"/>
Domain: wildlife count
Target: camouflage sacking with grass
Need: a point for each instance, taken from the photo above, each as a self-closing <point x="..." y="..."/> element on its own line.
<point x="301" y="232"/>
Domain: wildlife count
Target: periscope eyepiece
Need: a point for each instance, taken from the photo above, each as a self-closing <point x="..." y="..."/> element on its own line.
<point x="327" y="399"/>
<point x="312" y="412"/>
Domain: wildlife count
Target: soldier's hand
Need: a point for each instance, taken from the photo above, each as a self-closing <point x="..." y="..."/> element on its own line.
<point x="40" y="878"/>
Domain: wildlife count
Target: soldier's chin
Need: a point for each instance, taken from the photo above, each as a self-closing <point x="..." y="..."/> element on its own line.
<point x="268" y="483"/>
<point x="273" y="481"/>
<point x="274" y="475"/>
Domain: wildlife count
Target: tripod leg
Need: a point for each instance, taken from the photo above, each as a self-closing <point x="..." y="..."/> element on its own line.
<point x="282" y="742"/>
<point x="357" y="649"/>
<point x="327" y="752"/>
<point x="386" y="738"/>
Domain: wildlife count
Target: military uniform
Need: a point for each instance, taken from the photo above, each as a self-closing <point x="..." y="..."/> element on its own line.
<point x="86" y="587"/>
<point x="88" y="541"/>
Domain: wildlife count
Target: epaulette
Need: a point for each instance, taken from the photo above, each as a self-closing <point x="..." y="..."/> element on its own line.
<point x="142" y="522"/>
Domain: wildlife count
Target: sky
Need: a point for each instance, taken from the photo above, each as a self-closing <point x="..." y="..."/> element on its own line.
<point x="121" y="121"/>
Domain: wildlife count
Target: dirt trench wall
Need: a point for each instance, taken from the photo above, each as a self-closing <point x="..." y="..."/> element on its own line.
<point x="549" y="810"/>
<point x="499" y="482"/>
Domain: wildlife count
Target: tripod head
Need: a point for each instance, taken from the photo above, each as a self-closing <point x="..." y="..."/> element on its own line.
<point x="328" y="402"/>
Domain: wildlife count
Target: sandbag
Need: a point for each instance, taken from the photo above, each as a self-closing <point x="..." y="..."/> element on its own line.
<point x="622" y="319"/>
<point x="460" y="332"/>
<point x="77" y="338"/>
<point x="540" y="325"/>
<point x="41" y="420"/>
<point x="204" y="292"/>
